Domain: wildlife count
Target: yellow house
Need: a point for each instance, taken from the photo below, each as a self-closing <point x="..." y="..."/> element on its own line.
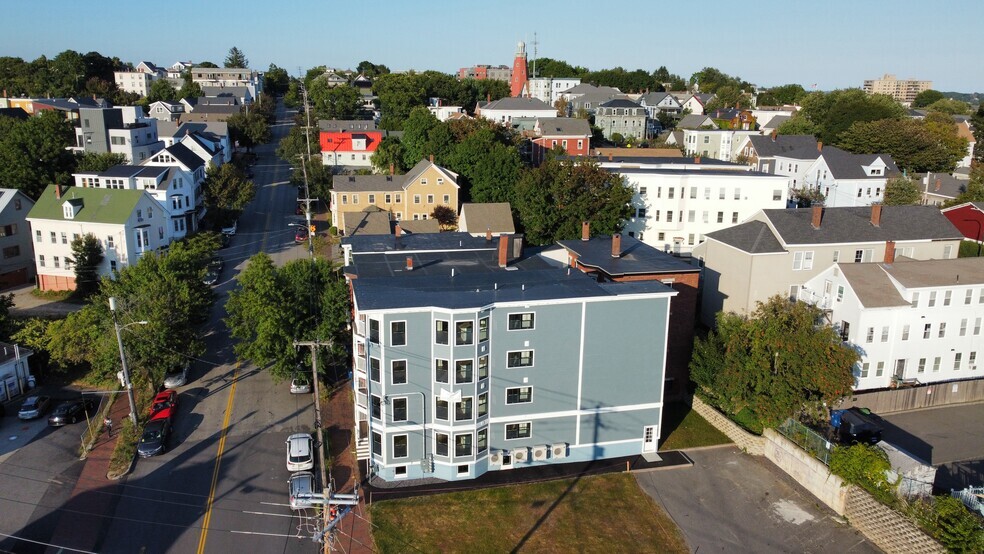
<point x="407" y="197"/>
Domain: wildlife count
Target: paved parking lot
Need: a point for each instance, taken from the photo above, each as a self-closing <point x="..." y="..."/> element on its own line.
<point x="950" y="438"/>
<point x="732" y="502"/>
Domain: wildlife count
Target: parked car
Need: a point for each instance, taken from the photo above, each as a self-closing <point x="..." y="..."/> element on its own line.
<point x="213" y="270"/>
<point x="855" y="425"/>
<point x="300" y="385"/>
<point x="73" y="410"/>
<point x="178" y="376"/>
<point x="301" y="234"/>
<point x="164" y="406"/>
<point x="154" y="438"/>
<point x="34" y="407"/>
<point x="300" y="452"/>
<point x="300" y="484"/>
<point x="231" y="228"/>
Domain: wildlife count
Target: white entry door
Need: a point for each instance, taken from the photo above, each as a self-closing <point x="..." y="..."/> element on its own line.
<point x="649" y="438"/>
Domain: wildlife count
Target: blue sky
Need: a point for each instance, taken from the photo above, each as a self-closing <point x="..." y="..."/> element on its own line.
<point x="832" y="43"/>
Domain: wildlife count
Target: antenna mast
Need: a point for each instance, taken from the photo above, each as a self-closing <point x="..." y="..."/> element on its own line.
<point x="534" y="54"/>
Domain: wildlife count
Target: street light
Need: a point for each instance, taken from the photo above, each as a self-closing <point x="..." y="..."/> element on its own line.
<point x="126" y="373"/>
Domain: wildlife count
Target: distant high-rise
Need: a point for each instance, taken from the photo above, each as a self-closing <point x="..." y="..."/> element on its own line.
<point x="518" y="82"/>
<point x="904" y="91"/>
<point x="483" y="72"/>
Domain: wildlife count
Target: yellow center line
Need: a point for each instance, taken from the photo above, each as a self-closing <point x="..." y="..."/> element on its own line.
<point x="218" y="460"/>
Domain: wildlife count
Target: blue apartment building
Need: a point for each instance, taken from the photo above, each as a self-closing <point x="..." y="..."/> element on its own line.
<point x="470" y="357"/>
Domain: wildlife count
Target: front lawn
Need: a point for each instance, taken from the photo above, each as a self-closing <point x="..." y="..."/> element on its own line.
<point x="605" y="513"/>
<point x="685" y="428"/>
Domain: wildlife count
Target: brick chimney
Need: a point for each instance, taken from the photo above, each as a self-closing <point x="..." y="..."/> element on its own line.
<point x="585" y="230"/>
<point x="817" y="215"/>
<point x="609" y="156"/>
<point x="409" y="263"/>
<point x="876" y="215"/>
<point x="616" y="245"/>
<point x="398" y="231"/>
<point x="774" y="133"/>
<point x="697" y="159"/>
<point x="503" y="250"/>
<point x="819" y="146"/>
<point x="939" y="183"/>
<point x="57" y="191"/>
<point x="432" y="158"/>
<point x="488" y="235"/>
<point x="392" y="169"/>
<point x="889" y="251"/>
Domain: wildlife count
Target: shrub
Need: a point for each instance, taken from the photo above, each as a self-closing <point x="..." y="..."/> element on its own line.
<point x="955" y="527"/>
<point x="866" y="467"/>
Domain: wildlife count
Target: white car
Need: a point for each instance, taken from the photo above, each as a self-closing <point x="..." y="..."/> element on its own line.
<point x="300" y="486"/>
<point x="300" y="452"/>
<point x="300" y="385"/>
<point x="177" y="377"/>
<point x="231" y="229"/>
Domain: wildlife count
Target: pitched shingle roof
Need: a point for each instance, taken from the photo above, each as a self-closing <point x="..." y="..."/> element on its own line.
<point x="695" y="121"/>
<point x="512" y="103"/>
<point x="753" y="237"/>
<point x="620" y="103"/>
<point x="563" y="126"/>
<point x="766" y="146"/>
<point x="872" y="286"/>
<point x="98" y="205"/>
<point x="492" y="216"/>
<point x="853" y="225"/>
<point x="845" y="165"/>
<point x="185" y="155"/>
<point x="635" y="257"/>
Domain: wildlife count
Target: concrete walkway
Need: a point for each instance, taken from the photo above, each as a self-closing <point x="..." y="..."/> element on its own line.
<point x="82" y="518"/>
<point x="26" y="304"/>
<point x="354" y="531"/>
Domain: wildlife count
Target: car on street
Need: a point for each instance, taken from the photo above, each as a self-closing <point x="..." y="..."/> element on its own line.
<point x="213" y="270"/>
<point x="301" y="234"/>
<point x="300" y="452"/>
<point x="231" y="228"/>
<point x="34" y="407"/>
<point x="300" y="385"/>
<point x="178" y="376"/>
<point x="154" y="438"/>
<point x="300" y="485"/>
<point x="164" y="406"/>
<point x="72" y="411"/>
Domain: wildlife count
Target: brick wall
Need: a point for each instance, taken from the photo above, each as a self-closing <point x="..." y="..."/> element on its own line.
<point x="752" y="444"/>
<point x="888" y="529"/>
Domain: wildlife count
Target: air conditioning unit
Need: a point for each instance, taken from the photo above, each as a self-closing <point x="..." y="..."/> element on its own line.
<point x="495" y="459"/>
<point x="558" y="450"/>
<point x="520" y="455"/>
<point x="540" y="453"/>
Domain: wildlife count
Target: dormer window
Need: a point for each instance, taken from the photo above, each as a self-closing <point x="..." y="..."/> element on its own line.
<point x="71" y="207"/>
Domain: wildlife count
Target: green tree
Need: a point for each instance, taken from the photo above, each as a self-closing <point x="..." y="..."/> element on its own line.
<point x="916" y="146"/>
<point x="189" y="89"/>
<point x="226" y="188"/>
<point x="389" y="154"/>
<point x="273" y="307"/>
<point x="775" y="363"/>
<point x="494" y="176"/>
<point x="797" y="126"/>
<point x="782" y="95"/>
<point x="371" y="70"/>
<point x="446" y="216"/>
<point x="977" y="124"/>
<point x="87" y="254"/>
<point x="162" y="89"/>
<point x="248" y="129"/>
<point x="553" y="199"/>
<point x="973" y="192"/>
<point x="956" y="528"/>
<point x="236" y="58"/>
<point x="926" y="98"/>
<point x="865" y="466"/>
<point x="206" y="64"/>
<point x="711" y="79"/>
<point x="98" y="161"/>
<point x="901" y="191"/>
<point x="7" y="324"/>
<point x="328" y="102"/>
<point x="275" y="80"/>
<point x="949" y="106"/>
<point x="423" y="136"/>
<point x="295" y="143"/>
<point x="398" y="94"/>
<point x="33" y="152"/>
<point x="292" y="98"/>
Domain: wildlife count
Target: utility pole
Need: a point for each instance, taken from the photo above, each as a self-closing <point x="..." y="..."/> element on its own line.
<point x="314" y="345"/>
<point x="307" y="192"/>
<point x="127" y="384"/>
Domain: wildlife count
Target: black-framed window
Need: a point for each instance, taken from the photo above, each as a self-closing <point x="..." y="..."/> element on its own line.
<point x="374" y="331"/>
<point x="519" y="358"/>
<point x="441" y="410"/>
<point x="483" y="367"/>
<point x="519" y="430"/>
<point x="483" y="404"/>
<point x="520" y="321"/>
<point x="442" y="444"/>
<point x="441" y="331"/>
<point x="463" y="333"/>
<point x="463" y="371"/>
<point x="482" y="443"/>
<point x="376" y="406"/>
<point x="398" y="333"/>
<point x="463" y="444"/>
<point x="399" y="372"/>
<point x="399" y="409"/>
<point x="441" y="371"/>
<point x="463" y="409"/>
<point x="483" y="329"/>
<point x="377" y="443"/>
<point x="374" y="369"/>
<point x="401" y="446"/>
<point x="519" y="395"/>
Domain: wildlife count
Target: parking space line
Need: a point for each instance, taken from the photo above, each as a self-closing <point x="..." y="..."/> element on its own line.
<point x="218" y="460"/>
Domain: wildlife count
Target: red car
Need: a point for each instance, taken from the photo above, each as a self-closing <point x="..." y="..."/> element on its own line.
<point x="301" y="235"/>
<point x="165" y="405"/>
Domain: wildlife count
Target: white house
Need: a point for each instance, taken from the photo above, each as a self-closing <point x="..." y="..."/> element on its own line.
<point x="659" y="102"/>
<point x="911" y="321"/>
<point x="549" y="89"/>
<point x="163" y="110"/>
<point x="696" y="103"/>
<point x="214" y="133"/>
<point x="719" y="144"/>
<point x="505" y="109"/>
<point x="15" y="371"/>
<point x="676" y="208"/>
<point x="137" y="82"/>
<point x="128" y="223"/>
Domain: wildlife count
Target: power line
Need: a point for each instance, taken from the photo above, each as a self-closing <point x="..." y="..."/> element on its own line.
<point x="59" y="547"/>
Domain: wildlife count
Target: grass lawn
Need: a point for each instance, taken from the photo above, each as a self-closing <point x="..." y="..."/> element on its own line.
<point x="685" y="428"/>
<point x="605" y="513"/>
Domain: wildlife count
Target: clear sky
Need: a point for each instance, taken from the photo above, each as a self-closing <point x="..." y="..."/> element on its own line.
<point x="830" y="43"/>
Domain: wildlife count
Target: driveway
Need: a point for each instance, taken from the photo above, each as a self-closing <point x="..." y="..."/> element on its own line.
<point x="732" y="502"/>
<point x="949" y="437"/>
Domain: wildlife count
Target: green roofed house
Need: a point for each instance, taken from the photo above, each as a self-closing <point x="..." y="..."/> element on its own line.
<point x="126" y="222"/>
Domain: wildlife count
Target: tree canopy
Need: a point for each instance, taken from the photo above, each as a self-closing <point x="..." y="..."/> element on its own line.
<point x="926" y="98"/>
<point x="87" y="254"/>
<point x="400" y="93"/>
<point x="67" y="74"/>
<point x="776" y="363"/>
<point x="916" y="146"/>
<point x="834" y="112"/>
<point x="162" y="89"/>
<point x="236" y="58"/>
<point x="248" y="130"/>
<point x="275" y="80"/>
<point x="553" y="199"/>
<point x="226" y="188"/>
<point x="782" y="95"/>
<point x="371" y="70"/>
<point x="901" y="191"/>
<point x="98" y="161"/>
<point x="973" y="192"/>
<point x="33" y="152"/>
<point x="303" y="300"/>
<point x="334" y="102"/>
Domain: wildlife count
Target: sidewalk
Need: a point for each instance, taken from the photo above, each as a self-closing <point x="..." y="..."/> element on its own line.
<point x="26" y="304"/>
<point x="354" y="531"/>
<point x="89" y="509"/>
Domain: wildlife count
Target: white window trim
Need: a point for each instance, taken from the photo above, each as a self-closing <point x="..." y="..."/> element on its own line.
<point x="508" y="403"/>
<point x="532" y="358"/>
<point x="406" y="366"/>
<point x="392" y="401"/>
<point x="404" y="322"/>
<point x="393" y="446"/>
<point x="532" y="328"/>
<point x="505" y="433"/>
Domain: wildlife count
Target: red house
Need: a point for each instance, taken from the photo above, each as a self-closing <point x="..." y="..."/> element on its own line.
<point x="968" y="218"/>
<point x="573" y="135"/>
<point x="349" y="148"/>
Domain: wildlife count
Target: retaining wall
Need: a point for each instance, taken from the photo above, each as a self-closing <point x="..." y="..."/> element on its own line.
<point x="888" y="529"/>
<point x="752" y="444"/>
<point x="809" y="472"/>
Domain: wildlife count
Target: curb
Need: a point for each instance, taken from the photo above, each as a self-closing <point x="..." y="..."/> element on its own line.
<point x="129" y="468"/>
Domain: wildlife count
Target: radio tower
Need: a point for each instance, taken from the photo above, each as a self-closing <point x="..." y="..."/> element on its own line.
<point x="535" y="43"/>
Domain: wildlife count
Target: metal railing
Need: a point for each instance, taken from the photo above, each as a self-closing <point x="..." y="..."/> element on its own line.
<point x="972" y="497"/>
<point x="807" y="439"/>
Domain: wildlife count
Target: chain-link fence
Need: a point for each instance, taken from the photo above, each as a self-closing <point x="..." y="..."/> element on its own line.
<point x="807" y="439"/>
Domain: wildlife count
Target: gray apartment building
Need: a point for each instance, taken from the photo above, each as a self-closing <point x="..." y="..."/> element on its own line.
<point x="17" y="266"/>
<point x="621" y="116"/>
<point x="469" y="357"/>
